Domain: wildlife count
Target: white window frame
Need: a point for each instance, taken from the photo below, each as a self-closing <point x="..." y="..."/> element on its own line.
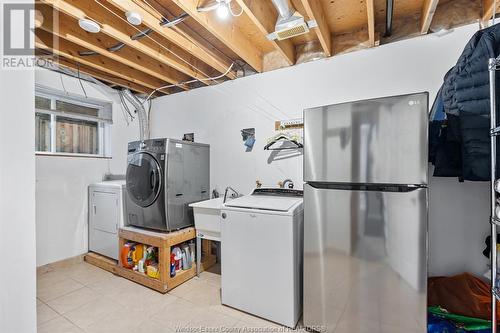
<point x="104" y="126"/>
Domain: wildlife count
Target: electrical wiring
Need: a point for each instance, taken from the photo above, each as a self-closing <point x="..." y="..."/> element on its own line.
<point x="176" y="20"/>
<point x="80" y="79"/>
<point x="184" y="16"/>
<point x="187" y="82"/>
<point x="124" y="112"/>
<point x="164" y="22"/>
<point x="153" y="8"/>
<point x="208" y="8"/>
<point x="155" y="41"/>
<point x="62" y="83"/>
<point x="124" y="105"/>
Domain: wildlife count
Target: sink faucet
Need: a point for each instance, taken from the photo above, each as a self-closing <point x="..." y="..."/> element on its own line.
<point x="287" y="183"/>
<point x="234" y="195"/>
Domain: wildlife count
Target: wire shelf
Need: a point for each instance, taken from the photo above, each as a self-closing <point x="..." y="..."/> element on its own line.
<point x="495" y="221"/>
<point x="493" y="66"/>
<point x="495" y="131"/>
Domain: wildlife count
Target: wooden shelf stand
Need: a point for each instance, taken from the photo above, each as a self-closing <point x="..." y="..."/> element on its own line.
<point x="164" y="242"/>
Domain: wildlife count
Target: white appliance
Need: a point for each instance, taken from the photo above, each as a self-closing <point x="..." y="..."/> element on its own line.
<point x="207" y="218"/>
<point x="106" y="216"/>
<point x="207" y="222"/>
<point x="262" y="243"/>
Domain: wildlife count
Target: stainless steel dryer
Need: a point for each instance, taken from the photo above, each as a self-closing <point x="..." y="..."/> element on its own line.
<point x="163" y="177"/>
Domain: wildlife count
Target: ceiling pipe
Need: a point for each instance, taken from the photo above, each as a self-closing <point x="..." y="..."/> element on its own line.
<point x="389" y="11"/>
<point x="164" y="23"/>
<point x="284" y="8"/>
<point x="176" y="20"/>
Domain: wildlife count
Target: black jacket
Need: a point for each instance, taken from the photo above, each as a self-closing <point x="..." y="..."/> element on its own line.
<point x="465" y="94"/>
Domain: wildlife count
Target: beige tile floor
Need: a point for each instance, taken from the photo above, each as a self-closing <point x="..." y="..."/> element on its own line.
<point x="83" y="298"/>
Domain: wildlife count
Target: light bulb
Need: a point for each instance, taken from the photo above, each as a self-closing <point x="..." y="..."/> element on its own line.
<point x="222" y="10"/>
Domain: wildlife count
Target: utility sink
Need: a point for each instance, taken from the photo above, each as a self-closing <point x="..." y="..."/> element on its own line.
<point x="207" y="218"/>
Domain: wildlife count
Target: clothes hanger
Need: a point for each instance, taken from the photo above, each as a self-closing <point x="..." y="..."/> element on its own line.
<point x="286" y="138"/>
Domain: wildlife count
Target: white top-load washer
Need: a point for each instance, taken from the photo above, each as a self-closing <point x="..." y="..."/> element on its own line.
<point x="262" y="242"/>
<point x="106" y="216"/>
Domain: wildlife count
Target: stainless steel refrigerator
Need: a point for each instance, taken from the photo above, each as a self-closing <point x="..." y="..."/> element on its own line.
<point x="365" y="218"/>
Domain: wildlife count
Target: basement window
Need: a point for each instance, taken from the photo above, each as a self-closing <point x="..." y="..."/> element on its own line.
<point x="71" y="125"/>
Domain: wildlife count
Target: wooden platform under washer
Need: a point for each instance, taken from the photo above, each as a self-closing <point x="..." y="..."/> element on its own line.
<point x="164" y="242"/>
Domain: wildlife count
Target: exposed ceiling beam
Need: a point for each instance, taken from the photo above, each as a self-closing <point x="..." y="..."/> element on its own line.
<point x="488" y="9"/>
<point x="263" y="15"/>
<point x="428" y="11"/>
<point x="315" y="12"/>
<point x="116" y="28"/>
<point x="370" y="12"/>
<point x="187" y="32"/>
<point x="68" y="29"/>
<point x="103" y="76"/>
<point x="66" y="49"/>
<point x="226" y="32"/>
<point x="197" y="50"/>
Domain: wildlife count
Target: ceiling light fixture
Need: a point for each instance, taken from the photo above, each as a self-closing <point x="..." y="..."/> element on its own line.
<point x="133" y="18"/>
<point x="89" y="25"/>
<point x="222" y="8"/>
<point x="222" y="11"/>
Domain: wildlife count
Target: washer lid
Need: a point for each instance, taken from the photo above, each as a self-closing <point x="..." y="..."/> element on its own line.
<point x="264" y="202"/>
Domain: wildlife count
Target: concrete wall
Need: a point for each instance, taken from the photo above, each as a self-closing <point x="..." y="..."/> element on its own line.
<point x="17" y="198"/>
<point x="458" y="215"/>
<point x="61" y="182"/>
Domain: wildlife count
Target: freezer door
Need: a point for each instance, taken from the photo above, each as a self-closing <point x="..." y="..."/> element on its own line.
<point x="365" y="260"/>
<point x="378" y="141"/>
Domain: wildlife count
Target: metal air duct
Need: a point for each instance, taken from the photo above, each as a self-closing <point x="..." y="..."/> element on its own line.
<point x="290" y="22"/>
<point x="141" y="114"/>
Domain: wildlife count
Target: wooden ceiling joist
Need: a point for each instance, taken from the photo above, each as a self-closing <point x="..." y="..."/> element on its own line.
<point x="489" y="9"/>
<point x="428" y="11"/>
<point x="115" y="28"/>
<point x="370" y="12"/>
<point x="104" y="77"/>
<point x="226" y="32"/>
<point x="70" y="50"/>
<point x="68" y="29"/>
<point x="203" y="45"/>
<point x="195" y="49"/>
<point x="263" y="15"/>
<point x="315" y="12"/>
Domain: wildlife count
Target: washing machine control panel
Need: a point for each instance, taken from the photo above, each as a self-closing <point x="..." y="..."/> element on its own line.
<point x="152" y="146"/>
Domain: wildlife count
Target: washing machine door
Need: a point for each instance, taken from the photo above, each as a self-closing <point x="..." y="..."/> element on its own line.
<point x="143" y="179"/>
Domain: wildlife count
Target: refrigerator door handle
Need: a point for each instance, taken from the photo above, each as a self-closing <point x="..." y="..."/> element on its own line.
<point x="367" y="187"/>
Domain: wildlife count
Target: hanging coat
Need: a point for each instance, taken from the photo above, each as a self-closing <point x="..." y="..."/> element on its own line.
<point x="466" y="95"/>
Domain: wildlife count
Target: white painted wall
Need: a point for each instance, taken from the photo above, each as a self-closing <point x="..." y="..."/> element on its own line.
<point x="17" y="199"/>
<point x="61" y="182"/>
<point x="458" y="215"/>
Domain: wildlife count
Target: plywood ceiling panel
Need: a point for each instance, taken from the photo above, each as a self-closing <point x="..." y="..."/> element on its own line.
<point x="345" y="15"/>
